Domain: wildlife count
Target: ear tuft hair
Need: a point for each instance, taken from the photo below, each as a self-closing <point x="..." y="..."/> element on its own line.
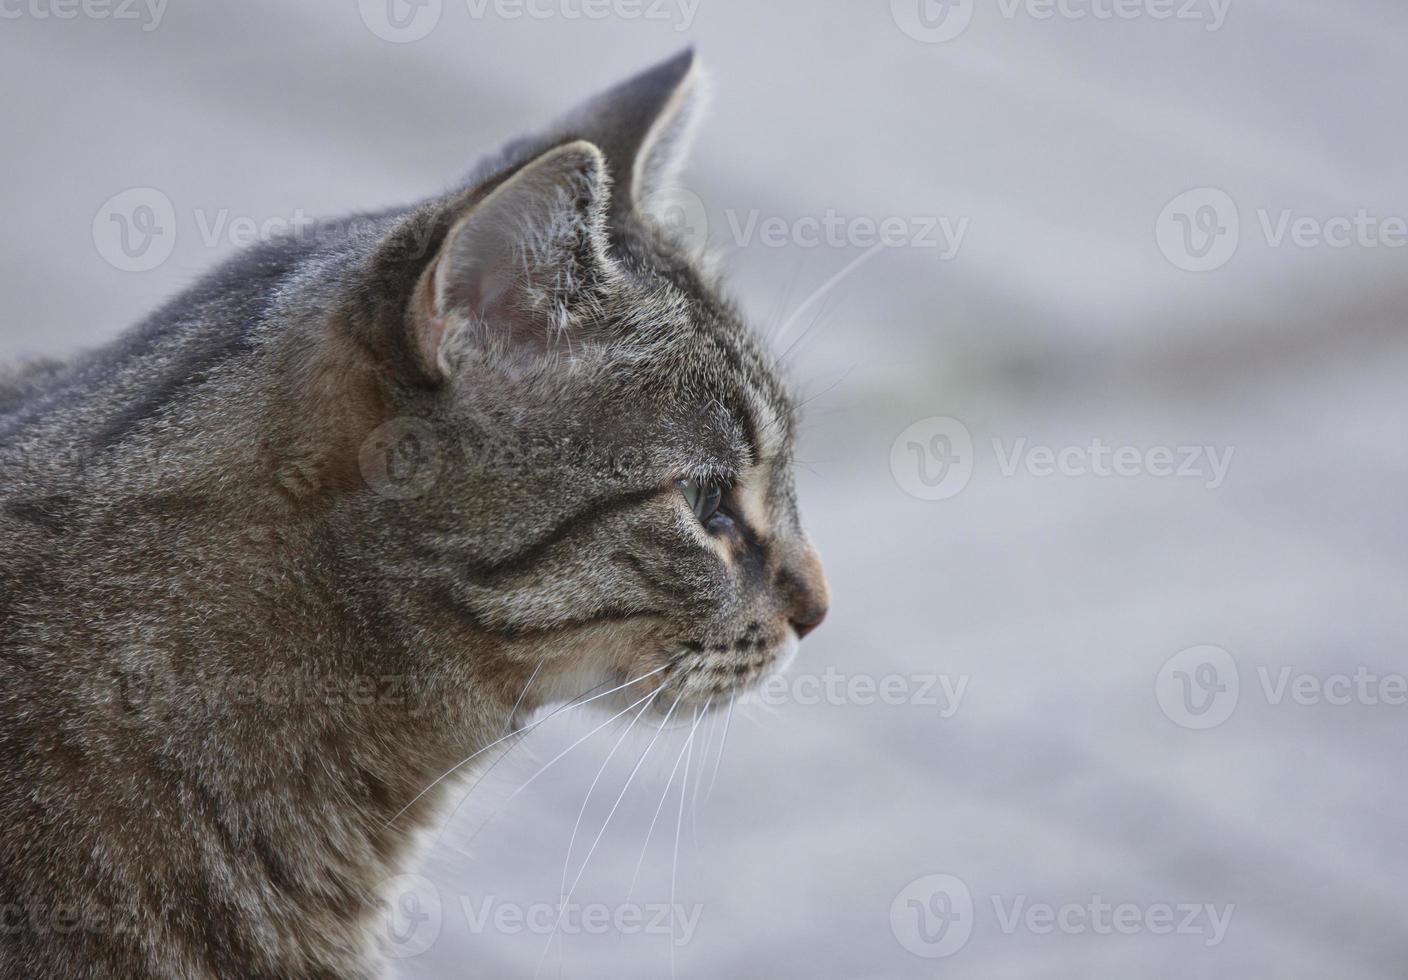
<point x="512" y="267"/>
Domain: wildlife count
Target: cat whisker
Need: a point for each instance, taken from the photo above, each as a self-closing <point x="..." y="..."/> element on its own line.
<point x="512" y="796"/>
<point x="723" y="744"/>
<point x="572" y="840"/>
<point x="679" y="825"/>
<point x="820" y="292"/>
<point x="664" y="795"/>
<point x="694" y="796"/>
<point x="465" y="761"/>
<point x="513" y="712"/>
<point x="607" y="822"/>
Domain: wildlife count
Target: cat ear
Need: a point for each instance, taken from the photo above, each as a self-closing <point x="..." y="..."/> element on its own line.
<point x="510" y="269"/>
<point x="644" y="127"/>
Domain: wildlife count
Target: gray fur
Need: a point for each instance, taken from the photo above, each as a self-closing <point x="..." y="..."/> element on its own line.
<point x="240" y="632"/>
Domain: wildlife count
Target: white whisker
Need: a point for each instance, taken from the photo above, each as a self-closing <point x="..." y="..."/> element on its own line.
<point x="572" y="840"/>
<point x="703" y="758"/>
<point x="679" y="825"/>
<point x="567" y="897"/>
<point x="512" y="796"/>
<point x="465" y="761"/>
<point x="664" y="795"/>
<point x="723" y="744"/>
<point x="513" y="712"/>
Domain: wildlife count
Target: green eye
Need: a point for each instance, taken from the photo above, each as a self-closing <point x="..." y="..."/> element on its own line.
<point x="703" y="497"/>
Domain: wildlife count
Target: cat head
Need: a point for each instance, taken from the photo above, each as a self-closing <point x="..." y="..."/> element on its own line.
<point x="599" y="450"/>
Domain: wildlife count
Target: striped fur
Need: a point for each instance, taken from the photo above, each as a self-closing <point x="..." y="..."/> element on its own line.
<point x="283" y="554"/>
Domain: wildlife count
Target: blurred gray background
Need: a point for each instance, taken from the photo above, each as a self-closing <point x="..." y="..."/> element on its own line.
<point x="1164" y="689"/>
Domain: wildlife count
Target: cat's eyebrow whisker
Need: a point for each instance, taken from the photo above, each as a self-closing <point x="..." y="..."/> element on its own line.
<point x="679" y="825"/>
<point x="575" y="703"/>
<point x="567" y="897"/>
<point x="821" y="292"/>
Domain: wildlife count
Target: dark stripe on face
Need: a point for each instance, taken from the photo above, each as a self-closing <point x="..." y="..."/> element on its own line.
<point x="750" y="549"/>
<point x="486" y="570"/>
<point x="676" y="592"/>
<point x="444" y="599"/>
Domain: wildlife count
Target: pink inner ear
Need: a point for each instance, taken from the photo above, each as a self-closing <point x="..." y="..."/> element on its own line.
<point x="515" y="261"/>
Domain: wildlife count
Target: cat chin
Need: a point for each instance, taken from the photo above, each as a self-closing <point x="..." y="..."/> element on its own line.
<point x="786" y="653"/>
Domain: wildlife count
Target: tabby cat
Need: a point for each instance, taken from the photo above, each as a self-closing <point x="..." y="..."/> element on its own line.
<point x="341" y="515"/>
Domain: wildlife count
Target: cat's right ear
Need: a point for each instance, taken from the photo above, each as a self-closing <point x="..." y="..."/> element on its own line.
<point x="515" y="263"/>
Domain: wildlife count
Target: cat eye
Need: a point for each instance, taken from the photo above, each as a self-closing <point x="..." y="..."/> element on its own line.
<point x="703" y="497"/>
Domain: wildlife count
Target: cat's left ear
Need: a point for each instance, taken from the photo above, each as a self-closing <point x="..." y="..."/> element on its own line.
<point x="644" y="127"/>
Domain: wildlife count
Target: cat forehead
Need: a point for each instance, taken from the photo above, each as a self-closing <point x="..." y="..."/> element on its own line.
<point x="688" y="341"/>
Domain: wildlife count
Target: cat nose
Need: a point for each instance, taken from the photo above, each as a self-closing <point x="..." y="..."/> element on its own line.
<point x="808" y="596"/>
<point x="809" y="620"/>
